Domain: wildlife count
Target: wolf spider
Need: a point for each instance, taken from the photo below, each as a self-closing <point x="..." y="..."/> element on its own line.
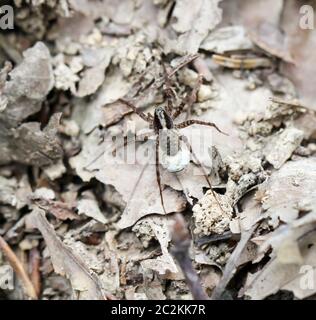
<point x="167" y="131"/>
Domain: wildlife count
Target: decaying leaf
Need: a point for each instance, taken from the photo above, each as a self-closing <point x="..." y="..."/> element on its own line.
<point x="267" y="37"/>
<point x="281" y="147"/>
<point x="131" y="181"/>
<point x="94" y="77"/>
<point x="59" y="209"/>
<point x="294" y="248"/>
<point x="290" y="190"/>
<point x="227" y="39"/>
<point x="66" y="263"/>
<point x="160" y="228"/>
<point x="301" y="41"/>
<point x="29" y="84"/>
<point x="193" y="21"/>
<point x="90" y="208"/>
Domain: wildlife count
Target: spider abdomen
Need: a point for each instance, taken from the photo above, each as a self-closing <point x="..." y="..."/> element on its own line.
<point x="172" y="157"/>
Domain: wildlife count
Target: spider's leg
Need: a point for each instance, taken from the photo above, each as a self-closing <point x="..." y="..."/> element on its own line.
<point x="135" y="109"/>
<point x="188" y="123"/>
<point x="193" y="95"/>
<point x="178" y="110"/>
<point x="150" y="117"/>
<point x="189" y="58"/>
<point x="169" y="93"/>
<point x="189" y="100"/>
<point x="158" y="174"/>
<point x="203" y="170"/>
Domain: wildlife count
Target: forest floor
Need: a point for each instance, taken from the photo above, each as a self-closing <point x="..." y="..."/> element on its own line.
<point x="84" y="215"/>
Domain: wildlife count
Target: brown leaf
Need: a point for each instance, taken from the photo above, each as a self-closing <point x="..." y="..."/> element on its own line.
<point x="193" y="21"/>
<point x="270" y="39"/>
<point x="60" y="210"/>
<point x="66" y="263"/>
<point x="301" y="43"/>
<point x="293" y="250"/>
<point x="29" y="84"/>
<point x="290" y="190"/>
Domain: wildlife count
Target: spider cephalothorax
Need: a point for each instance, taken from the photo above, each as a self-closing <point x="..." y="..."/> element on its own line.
<point x="169" y="138"/>
<point x="162" y="120"/>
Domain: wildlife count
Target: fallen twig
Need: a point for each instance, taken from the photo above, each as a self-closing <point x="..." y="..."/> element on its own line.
<point x="181" y="241"/>
<point x="34" y="269"/>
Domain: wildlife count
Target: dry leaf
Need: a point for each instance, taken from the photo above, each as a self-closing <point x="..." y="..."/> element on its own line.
<point x="68" y="264"/>
<point x="280" y="148"/>
<point x="293" y="249"/>
<point x="193" y="21"/>
<point x="164" y="264"/>
<point x="94" y="77"/>
<point x="227" y="39"/>
<point x="270" y="39"/>
<point x="29" y="84"/>
<point x="90" y="208"/>
<point x="301" y="43"/>
<point x="290" y="190"/>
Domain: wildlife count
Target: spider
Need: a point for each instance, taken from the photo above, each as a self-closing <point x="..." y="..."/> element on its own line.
<point x="167" y="131"/>
<point x="168" y="136"/>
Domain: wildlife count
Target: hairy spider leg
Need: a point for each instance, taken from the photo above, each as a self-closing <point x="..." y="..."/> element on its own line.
<point x="144" y="116"/>
<point x="189" y="100"/>
<point x="189" y="58"/>
<point x="158" y="174"/>
<point x="169" y="92"/>
<point x="188" y="123"/>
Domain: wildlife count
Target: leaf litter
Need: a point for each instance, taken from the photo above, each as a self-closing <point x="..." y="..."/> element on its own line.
<point x="90" y="224"/>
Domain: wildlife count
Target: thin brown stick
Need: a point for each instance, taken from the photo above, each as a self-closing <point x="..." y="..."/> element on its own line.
<point x="34" y="269"/>
<point x="18" y="268"/>
<point x="180" y="250"/>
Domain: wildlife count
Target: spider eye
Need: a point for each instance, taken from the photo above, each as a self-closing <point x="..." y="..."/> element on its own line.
<point x="159" y="110"/>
